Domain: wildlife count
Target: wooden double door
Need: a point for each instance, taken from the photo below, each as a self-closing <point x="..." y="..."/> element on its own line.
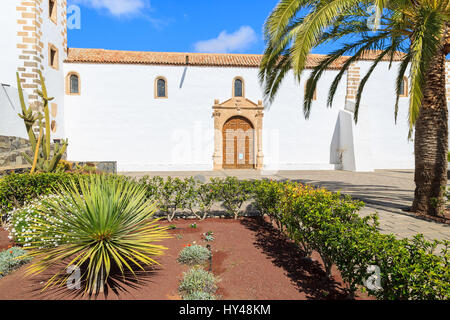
<point x="238" y="144"/>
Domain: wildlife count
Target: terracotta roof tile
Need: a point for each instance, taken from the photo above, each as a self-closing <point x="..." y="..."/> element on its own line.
<point x="174" y="58"/>
<point x="76" y="55"/>
<point x="373" y="54"/>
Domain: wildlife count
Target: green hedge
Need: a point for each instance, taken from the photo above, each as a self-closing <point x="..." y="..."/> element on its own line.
<point x="328" y="223"/>
<point x="18" y="189"/>
<point x="172" y="195"/>
<point x="175" y="195"/>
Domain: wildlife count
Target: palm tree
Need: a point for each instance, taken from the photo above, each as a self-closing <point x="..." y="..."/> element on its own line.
<point x="415" y="31"/>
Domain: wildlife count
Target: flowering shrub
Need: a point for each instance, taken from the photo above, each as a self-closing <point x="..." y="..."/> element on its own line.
<point x="411" y="269"/>
<point x="197" y="280"/>
<point x="27" y="224"/>
<point x="152" y="187"/>
<point x="193" y="255"/>
<point x="12" y="259"/>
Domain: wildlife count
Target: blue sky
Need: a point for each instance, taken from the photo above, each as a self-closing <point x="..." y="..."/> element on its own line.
<point x="233" y="26"/>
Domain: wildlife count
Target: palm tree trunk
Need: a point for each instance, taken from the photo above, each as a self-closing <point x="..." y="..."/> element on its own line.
<point x="431" y="142"/>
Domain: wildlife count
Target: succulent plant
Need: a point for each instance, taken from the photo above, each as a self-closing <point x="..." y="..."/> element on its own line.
<point x="44" y="160"/>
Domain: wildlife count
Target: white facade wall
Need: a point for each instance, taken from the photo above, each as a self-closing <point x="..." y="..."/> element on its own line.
<point x="303" y="144"/>
<point x="55" y="34"/>
<point x="116" y="118"/>
<point x="387" y="141"/>
<point x="46" y="32"/>
<point x="8" y="35"/>
<point x="10" y="123"/>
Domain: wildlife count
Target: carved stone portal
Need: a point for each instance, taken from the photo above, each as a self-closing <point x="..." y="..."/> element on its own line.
<point x="237" y="145"/>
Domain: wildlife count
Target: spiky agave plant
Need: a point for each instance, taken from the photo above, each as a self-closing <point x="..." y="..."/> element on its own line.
<point x="106" y="223"/>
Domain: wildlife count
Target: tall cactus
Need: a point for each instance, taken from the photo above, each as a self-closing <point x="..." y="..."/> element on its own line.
<point x="44" y="160"/>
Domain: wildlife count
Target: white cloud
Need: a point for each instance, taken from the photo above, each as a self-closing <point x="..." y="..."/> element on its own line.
<point x="225" y="43"/>
<point x="116" y="7"/>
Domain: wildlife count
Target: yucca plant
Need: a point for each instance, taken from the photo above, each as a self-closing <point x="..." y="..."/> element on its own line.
<point x="103" y="224"/>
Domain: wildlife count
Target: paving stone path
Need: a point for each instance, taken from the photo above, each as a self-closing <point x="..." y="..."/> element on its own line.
<point x="386" y="192"/>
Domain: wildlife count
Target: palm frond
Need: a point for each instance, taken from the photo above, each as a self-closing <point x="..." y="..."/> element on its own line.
<point x="313" y="27"/>
<point x="400" y="78"/>
<point x="281" y="17"/>
<point x="424" y="45"/>
<point x="361" y="47"/>
<point x="364" y="80"/>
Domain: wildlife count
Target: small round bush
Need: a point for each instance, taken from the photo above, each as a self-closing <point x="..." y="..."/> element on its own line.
<point x="194" y="255"/>
<point x="199" y="295"/>
<point x="197" y="279"/>
<point x="12" y="259"/>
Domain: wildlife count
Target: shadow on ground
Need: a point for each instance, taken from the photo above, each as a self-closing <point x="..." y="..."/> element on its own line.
<point x="307" y="275"/>
<point x="117" y="285"/>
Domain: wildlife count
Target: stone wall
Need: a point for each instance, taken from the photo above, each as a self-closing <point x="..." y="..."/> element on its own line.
<point x="11" y="150"/>
<point x="11" y="156"/>
<point x="105" y="166"/>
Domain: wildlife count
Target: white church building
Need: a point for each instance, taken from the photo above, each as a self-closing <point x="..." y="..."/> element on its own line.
<point x="152" y="111"/>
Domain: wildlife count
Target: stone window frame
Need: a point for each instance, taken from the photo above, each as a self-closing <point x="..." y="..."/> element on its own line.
<point x="315" y="92"/>
<point x="55" y="64"/>
<point x="233" y="89"/>
<point x="405" y="88"/>
<point x="53" y="14"/>
<point x="68" y="84"/>
<point x="156" y="87"/>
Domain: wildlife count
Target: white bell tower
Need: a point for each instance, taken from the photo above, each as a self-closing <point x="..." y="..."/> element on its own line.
<point x="34" y="36"/>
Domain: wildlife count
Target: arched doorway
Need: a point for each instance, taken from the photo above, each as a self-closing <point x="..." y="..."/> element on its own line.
<point x="238" y="144"/>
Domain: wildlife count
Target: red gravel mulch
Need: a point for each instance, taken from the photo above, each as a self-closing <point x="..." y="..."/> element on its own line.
<point x="252" y="260"/>
<point x="5" y="243"/>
